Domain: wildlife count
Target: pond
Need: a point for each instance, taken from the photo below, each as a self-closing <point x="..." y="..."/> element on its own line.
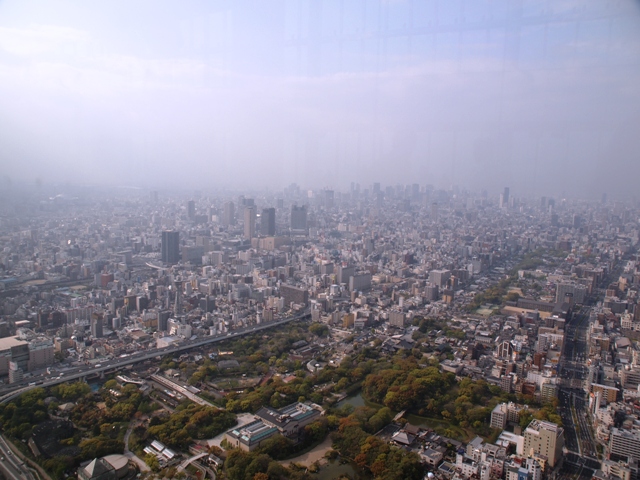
<point x="353" y="400"/>
<point x="335" y="469"/>
<point x="358" y="400"/>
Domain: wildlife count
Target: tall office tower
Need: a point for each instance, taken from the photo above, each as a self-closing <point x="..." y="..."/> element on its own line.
<point x="376" y="188"/>
<point x="249" y="222"/>
<point x="229" y="214"/>
<point x="163" y="320"/>
<point x="504" y="198"/>
<point x="154" y="196"/>
<point x="299" y="218"/>
<point x="191" y="209"/>
<point x="268" y="222"/>
<point x="170" y="246"/>
<point x="329" y="198"/>
<point x="544" y="438"/>
<point x="96" y="326"/>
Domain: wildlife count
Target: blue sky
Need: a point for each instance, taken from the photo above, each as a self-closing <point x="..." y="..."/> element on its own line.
<point x="538" y="95"/>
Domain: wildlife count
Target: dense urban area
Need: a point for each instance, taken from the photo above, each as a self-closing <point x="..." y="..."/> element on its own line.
<point x="383" y="332"/>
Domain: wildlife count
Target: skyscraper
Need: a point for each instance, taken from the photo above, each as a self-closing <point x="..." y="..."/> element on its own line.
<point x="329" y="198"/>
<point x="229" y="214"/>
<point x="249" y="222"/>
<point x="170" y="246"/>
<point x="268" y="222"/>
<point x="544" y="438"/>
<point x="191" y="210"/>
<point x="96" y="326"/>
<point x="504" y="198"/>
<point x="299" y="218"/>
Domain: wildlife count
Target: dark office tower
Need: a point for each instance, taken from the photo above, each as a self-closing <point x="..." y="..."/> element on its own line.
<point x="170" y="247"/>
<point x="249" y="222"/>
<point x="163" y="320"/>
<point x="604" y="199"/>
<point x="376" y="189"/>
<point x="328" y="198"/>
<point x="280" y="203"/>
<point x="154" y="196"/>
<point x="504" y="198"/>
<point x="268" y="222"/>
<point x="299" y="218"/>
<point x="229" y="214"/>
<point x="96" y="326"/>
<point x="191" y="209"/>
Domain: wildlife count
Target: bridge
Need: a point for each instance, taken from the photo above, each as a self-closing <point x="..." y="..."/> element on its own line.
<point x="125" y="379"/>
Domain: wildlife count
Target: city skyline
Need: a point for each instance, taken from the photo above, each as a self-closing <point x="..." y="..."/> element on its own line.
<point x="540" y="97"/>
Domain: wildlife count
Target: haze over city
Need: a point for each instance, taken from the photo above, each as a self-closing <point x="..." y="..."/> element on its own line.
<point x="539" y="95"/>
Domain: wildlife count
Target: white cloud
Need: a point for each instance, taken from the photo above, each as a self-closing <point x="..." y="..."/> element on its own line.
<point x="39" y="39"/>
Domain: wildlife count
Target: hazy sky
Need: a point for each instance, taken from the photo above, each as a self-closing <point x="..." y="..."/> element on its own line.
<point x="542" y="96"/>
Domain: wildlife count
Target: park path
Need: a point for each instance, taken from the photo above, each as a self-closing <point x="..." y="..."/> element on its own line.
<point x="132" y="456"/>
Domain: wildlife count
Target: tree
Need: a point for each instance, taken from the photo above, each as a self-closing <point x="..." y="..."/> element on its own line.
<point x="319" y="329"/>
<point x="152" y="462"/>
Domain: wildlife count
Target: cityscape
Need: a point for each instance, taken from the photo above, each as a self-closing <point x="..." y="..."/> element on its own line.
<point x="320" y="240"/>
<point x="283" y="319"/>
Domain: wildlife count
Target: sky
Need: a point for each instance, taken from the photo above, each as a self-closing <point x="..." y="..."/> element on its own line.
<point x="542" y="96"/>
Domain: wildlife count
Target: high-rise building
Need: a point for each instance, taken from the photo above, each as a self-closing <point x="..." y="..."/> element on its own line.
<point x="439" y="277"/>
<point x="578" y="292"/>
<point x="96" y="326"/>
<point x="624" y="443"/>
<point x="170" y="246"/>
<point x="249" y="222"/>
<point x="191" y="209"/>
<point x="544" y="438"/>
<point x="229" y="214"/>
<point x="163" y="320"/>
<point x="268" y="222"/>
<point x="329" y="198"/>
<point x="504" y="198"/>
<point x="299" y="218"/>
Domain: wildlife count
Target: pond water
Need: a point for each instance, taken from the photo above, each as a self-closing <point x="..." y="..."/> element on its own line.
<point x="354" y="400"/>
<point x="95" y="387"/>
<point x="335" y="469"/>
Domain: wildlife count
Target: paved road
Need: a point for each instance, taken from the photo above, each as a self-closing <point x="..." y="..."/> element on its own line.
<point x="11" y="466"/>
<point x="9" y="392"/>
